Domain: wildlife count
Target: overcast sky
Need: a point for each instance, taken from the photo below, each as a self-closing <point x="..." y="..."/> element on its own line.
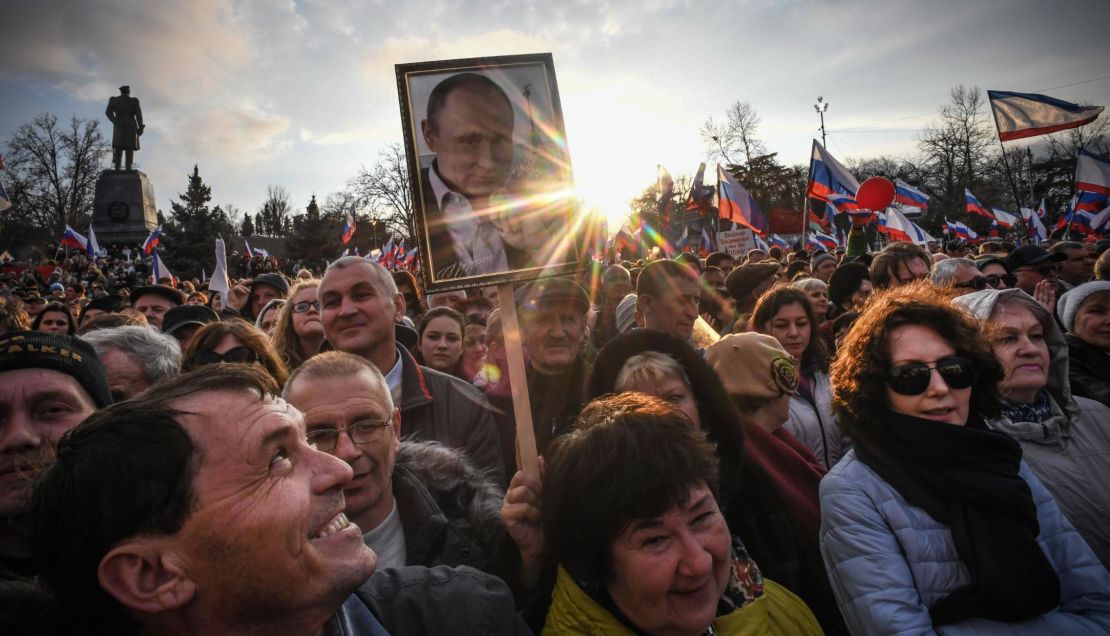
<point x="301" y="94"/>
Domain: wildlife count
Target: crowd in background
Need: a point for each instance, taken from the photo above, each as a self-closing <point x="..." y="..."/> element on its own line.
<point x="909" y="440"/>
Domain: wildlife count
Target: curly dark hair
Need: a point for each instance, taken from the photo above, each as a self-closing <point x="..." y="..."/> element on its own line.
<point x="209" y="336"/>
<point x="637" y="456"/>
<point x="784" y="295"/>
<point x="859" y="374"/>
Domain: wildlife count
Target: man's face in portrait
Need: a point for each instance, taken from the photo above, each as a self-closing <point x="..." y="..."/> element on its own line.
<point x="473" y="140"/>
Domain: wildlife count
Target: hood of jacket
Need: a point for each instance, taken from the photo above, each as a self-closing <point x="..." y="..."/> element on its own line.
<point x="983" y="304"/>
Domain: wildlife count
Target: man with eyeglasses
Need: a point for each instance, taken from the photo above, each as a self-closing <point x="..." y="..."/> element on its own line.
<point x="404" y="495"/>
<point x="1035" y="272"/>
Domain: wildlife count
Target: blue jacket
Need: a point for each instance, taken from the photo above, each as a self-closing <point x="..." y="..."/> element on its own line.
<point x="889" y="561"/>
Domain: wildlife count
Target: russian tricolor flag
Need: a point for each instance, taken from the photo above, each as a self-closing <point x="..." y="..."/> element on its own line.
<point x="961" y="230"/>
<point x="974" y="206"/>
<point x="736" y="205"/>
<point x="70" y="238"/>
<point x="152" y="241"/>
<point x="902" y="229"/>
<point x="1021" y="115"/>
<point x="778" y="240"/>
<point x="827" y="176"/>
<point x="825" y="241"/>
<point x="906" y="194"/>
<point x="161" y="271"/>
<point x="1004" y="218"/>
<point x="1092" y="181"/>
<point x="92" y="247"/>
<point x="843" y="202"/>
<point x="348" y="229"/>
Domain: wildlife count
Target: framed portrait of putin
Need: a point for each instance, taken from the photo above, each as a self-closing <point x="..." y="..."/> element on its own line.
<point x="489" y="170"/>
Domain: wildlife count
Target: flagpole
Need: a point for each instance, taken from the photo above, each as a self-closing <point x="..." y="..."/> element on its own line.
<point x="1006" y="164"/>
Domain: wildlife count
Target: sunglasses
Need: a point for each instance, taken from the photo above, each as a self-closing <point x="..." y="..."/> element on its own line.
<point x="236" y="355"/>
<point x="1007" y="279"/>
<point x="1043" y="270"/>
<point x="978" y="283"/>
<point x="305" y="305"/>
<point x="914" y="378"/>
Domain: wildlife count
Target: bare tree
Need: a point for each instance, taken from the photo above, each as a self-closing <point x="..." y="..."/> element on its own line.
<point x="735" y="137"/>
<point x="52" y="171"/>
<point x="957" y="148"/>
<point x="385" y="190"/>
<point x="274" y="219"/>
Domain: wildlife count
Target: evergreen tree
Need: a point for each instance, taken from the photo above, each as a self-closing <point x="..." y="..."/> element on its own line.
<point x="247" y="227"/>
<point x="193" y="227"/>
<point x="314" y="235"/>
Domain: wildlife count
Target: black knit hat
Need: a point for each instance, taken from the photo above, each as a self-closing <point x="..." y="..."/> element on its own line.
<point x="846" y="280"/>
<point x="273" y="280"/>
<point x="744" y="279"/>
<point x="57" y="352"/>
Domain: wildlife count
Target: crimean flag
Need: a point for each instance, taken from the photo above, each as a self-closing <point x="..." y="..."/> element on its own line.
<point x="1021" y="115"/>
<point x="152" y="241"/>
<point x="908" y="195"/>
<point x="71" y="238"/>
<point x="348" y="228"/>
<point x="736" y="205"/>
<point x="974" y="207"/>
<point x="665" y="205"/>
<point x="1034" y="227"/>
<point x="1092" y="181"/>
<point x="827" y="176"/>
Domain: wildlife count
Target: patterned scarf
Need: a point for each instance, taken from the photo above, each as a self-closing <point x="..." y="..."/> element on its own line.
<point x="1038" y="411"/>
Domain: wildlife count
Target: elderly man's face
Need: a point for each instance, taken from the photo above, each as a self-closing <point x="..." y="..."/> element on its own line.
<point x="153" y="307"/>
<point x="126" y="377"/>
<point x="338" y="404"/>
<point x="553" y="336"/>
<point x="36" y="407"/>
<point x="267" y="533"/>
<point x="473" y="141"/>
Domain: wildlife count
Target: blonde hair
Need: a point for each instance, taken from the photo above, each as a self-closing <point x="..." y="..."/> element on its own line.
<point x="649" y="367"/>
<point x="285" y="340"/>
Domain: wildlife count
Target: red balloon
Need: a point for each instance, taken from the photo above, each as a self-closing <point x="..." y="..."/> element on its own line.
<point x="875" y="194"/>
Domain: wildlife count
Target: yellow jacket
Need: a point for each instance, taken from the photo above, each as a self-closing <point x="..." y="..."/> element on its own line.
<point x="776" y="612"/>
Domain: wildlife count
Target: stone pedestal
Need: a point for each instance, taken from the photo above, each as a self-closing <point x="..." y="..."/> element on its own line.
<point x="123" y="207"/>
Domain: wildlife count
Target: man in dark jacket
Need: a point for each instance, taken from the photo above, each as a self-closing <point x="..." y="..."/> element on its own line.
<point x="236" y="526"/>
<point x="553" y="328"/>
<point x="417" y="503"/>
<point x="359" y="304"/>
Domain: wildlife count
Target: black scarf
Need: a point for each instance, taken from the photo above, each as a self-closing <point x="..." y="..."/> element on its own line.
<point x="966" y="477"/>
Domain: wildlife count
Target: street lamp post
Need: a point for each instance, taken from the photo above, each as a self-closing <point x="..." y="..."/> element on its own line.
<point x="821" y="106"/>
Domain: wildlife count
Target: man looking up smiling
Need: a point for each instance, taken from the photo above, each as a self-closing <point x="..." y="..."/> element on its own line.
<point x="234" y="525"/>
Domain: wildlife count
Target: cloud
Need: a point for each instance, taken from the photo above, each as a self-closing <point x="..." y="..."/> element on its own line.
<point x="240" y="134"/>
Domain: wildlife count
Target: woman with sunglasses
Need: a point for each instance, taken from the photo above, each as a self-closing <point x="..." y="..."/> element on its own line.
<point x="298" y="334"/>
<point x="236" y="342"/>
<point x="1065" y="439"/>
<point x="932" y="523"/>
<point x="994" y="270"/>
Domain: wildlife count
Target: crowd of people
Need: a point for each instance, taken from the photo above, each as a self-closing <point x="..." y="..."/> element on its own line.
<point x="908" y="440"/>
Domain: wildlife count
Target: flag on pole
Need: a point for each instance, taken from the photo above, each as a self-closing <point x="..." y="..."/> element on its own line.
<point x="92" y="248"/>
<point x="1098" y="221"/>
<point x="1042" y="210"/>
<point x="683" y="240"/>
<point x="700" y="194"/>
<point x="959" y="230"/>
<point x="906" y="194"/>
<point x="827" y="176"/>
<point x="973" y="205"/>
<point x="1004" y="218"/>
<point x="161" y="271"/>
<point x="665" y="205"/>
<point x="825" y="241"/>
<point x="706" y="246"/>
<point x="736" y="205"/>
<point x="1021" y="115"/>
<point x="153" y="240"/>
<point x="760" y="243"/>
<point x="899" y="228"/>
<point x="348" y="228"/>
<point x="219" y="280"/>
<point x="778" y="240"/>
<point x="1092" y="181"/>
<point x="71" y="238"/>
<point x="1034" y="227"/>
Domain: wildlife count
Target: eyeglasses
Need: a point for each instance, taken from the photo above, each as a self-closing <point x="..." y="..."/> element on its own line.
<point x="362" y="432"/>
<point x="978" y="283"/>
<point x="1009" y="280"/>
<point x="914" y="378"/>
<point x="305" y="305"/>
<point x="237" y="355"/>
<point x="1043" y="270"/>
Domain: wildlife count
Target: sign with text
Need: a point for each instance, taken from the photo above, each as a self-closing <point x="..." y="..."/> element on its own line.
<point x="735" y="242"/>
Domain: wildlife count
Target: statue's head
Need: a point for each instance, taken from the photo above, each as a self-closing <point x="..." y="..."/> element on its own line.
<point x="125" y="90"/>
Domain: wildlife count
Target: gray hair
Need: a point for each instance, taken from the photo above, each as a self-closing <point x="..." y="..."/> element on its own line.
<point x="810" y="284"/>
<point x="157" y="353"/>
<point x="944" y="272"/>
<point x="376" y="271"/>
<point x="649" y="367"/>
